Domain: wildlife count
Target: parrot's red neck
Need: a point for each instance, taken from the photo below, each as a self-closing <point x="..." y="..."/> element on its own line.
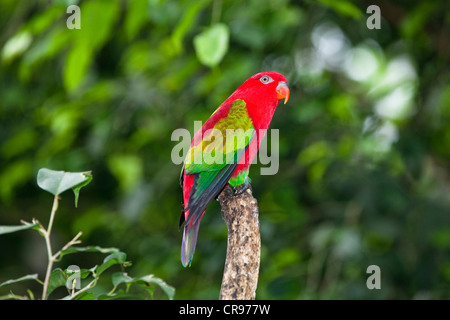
<point x="261" y="104"/>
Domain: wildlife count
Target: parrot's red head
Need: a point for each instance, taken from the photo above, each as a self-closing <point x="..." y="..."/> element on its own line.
<point x="262" y="93"/>
<point x="271" y="83"/>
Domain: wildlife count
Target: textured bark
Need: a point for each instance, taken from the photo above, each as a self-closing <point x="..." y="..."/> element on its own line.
<point x="240" y="276"/>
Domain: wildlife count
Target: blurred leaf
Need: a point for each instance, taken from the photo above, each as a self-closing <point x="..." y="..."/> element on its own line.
<point x="127" y="168"/>
<point x="24" y="140"/>
<point x="317" y="170"/>
<point x="137" y="16"/>
<point x="13" y="175"/>
<point x="88" y="221"/>
<point x="378" y="242"/>
<point x="77" y="64"/>
<point x="342" y="106"/>
<point x="445" y="269"/>
<point x="286" y="257"/>
<point x="314" y="152"/>
<point x="441" y="238"/>
<point x="414" y="23"/>
<point x="16" y="45"/>
<point x="97" y="22"/>
<point x="184" y="25"/>
<point x="347" y="243"/>
<point x="343" y="7"/>
<point x="212" y="44"/>
<point x="42" y="21"/>
<point x="321" y="237"/>
<point x="45" y="47"/>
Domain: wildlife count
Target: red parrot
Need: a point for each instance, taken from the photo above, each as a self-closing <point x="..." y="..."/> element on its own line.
<point x="213" y="162"/>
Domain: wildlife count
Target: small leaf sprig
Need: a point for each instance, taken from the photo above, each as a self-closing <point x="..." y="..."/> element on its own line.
<point x="56" y="182"/>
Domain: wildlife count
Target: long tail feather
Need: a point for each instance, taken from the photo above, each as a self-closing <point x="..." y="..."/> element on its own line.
<point x="189" y="241"/>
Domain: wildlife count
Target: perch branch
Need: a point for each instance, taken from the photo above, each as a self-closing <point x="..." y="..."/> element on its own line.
<point x="240" y="276"/>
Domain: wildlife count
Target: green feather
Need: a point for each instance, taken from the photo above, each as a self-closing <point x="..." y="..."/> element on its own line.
<point x="240" y="179"/>
<point x="224" y="144"/>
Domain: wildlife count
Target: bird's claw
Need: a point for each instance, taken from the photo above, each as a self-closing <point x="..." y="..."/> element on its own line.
<point x="241" y="189"/>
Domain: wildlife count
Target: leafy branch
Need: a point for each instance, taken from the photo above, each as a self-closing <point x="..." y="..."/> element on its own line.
<point x="57" y="182"/>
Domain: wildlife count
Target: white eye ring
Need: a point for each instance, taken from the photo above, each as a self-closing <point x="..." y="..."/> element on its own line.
<point x="265" y="79"/>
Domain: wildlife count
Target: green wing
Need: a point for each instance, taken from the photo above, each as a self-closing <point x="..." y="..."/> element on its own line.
<point x="223" y="144"/>
<point x="214" y="159"/>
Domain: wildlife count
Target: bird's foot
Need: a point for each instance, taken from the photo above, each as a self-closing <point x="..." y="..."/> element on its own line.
<point x="241" y="189"/>
<point x="227" y="190"/>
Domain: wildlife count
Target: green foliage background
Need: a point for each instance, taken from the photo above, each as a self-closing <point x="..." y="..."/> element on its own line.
<point x="364" y="173"/>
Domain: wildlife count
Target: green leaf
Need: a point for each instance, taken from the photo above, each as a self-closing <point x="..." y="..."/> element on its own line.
<point x="145" y="282"/>
<point x="57" y="279"/>
<point x="109" y="261"/>
<point x="85" y="296"/>
<point x="122" y="295"/>
<point x="76" y="189"/>
<point x="87" y="249"/>
<point x="150" y="279"/>
<point x="56" y="182"/>
<point x="212" y="44"/>
<point x="9" y="229"/>
<point x="21" y="279"/>
<point x="121" y="277"/>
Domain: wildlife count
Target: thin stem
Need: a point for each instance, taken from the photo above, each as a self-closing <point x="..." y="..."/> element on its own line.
<point x="13" y="296"/>
<point x="90" y="285"/>
<point x="51" y="259"/>
<point x="68" y="244"/>
<point x="52" y="215"/>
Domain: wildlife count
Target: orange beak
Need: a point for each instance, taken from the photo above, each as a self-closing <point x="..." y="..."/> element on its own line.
<point x="283" y="91"/>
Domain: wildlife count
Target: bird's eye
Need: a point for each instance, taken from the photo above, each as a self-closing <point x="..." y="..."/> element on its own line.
<point x="265" y="79"/>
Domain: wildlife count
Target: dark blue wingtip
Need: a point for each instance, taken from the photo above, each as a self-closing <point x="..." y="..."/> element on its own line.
<point x="186" y="264"/>
<point x="186" y="261"/>
<point x="188" y="244"/>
